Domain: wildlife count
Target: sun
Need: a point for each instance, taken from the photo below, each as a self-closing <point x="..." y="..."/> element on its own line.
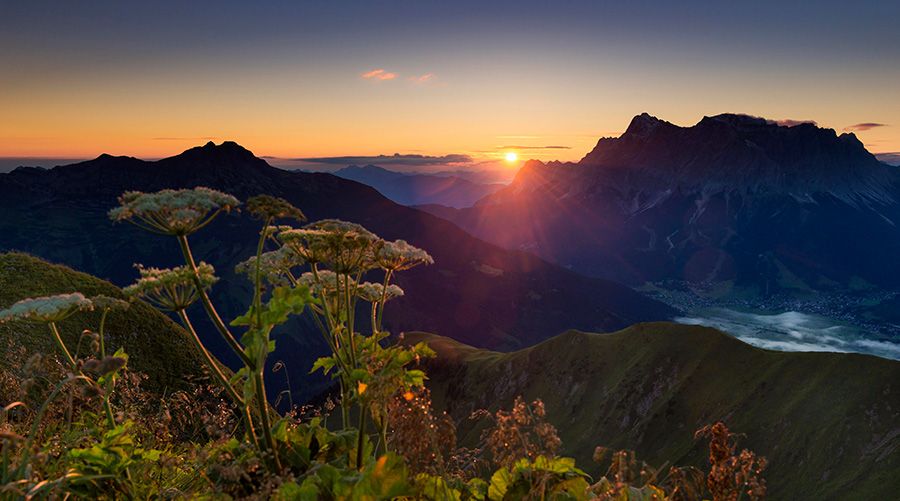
<point x="511" y="156"/>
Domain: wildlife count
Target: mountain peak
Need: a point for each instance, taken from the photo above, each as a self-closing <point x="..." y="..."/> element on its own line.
<point x="736" y="151"/>
<point x="737" y="120"/>
<point x="227" y="153"/>
<point x="643" y="125"/>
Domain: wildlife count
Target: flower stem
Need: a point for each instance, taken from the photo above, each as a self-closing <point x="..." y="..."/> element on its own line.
<point x="107" y="406"/>
<point x="263" y="404"/>
<point x="75" y="370"/>
<point x="208" y="306"/>
<point x="361" y="436"/>
<point x="62" y="347"/>
<point x="387" y="281"/>
<point x="218" y="375"/>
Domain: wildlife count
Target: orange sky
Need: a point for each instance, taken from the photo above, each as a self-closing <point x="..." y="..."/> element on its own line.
<point x="298" y="80"/>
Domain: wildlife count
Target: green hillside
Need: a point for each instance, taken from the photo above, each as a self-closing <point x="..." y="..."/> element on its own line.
<point x="156" y="345"/>
<point x="829" y="423"/>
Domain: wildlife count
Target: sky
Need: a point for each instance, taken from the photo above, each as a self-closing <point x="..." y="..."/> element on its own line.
<point x="459" y="84"/>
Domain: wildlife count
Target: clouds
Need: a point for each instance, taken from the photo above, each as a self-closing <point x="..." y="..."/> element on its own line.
<point x="379" y="74"/>
<point x="863" y="126"/>
<point x="519" y="147"/>
<point x="395" y="159"/>
<point x="422" y="79"/>
<point x="195" y="138"/>
<point x="890" y="157"/>
<point x="793" y="331"/>
<point x="789" y="122"/>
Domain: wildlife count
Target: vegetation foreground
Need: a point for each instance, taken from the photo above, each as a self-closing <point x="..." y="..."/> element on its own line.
<point x="81" y="423"/>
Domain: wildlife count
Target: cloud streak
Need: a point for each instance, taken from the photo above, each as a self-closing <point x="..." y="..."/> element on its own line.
<point x="519" y="147"/>
<point x="863" y="126"/>
<point x="889" y="157"/>
<point x="200" y="138"/>
<point x="379" y="74"/>
<point x="422" y="79"/>
<point x="789" y="122"/>
<point x="395" y="159"/>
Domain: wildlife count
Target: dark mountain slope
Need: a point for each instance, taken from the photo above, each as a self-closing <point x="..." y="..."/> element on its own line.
<point x="829" y="423"/>
<point x="732" y="200"/>
<point x="157" y="346"/>
<point x="475" y="292"/>
<point x="418" y="189"/>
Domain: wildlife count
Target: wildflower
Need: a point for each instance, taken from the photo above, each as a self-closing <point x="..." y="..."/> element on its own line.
<point x="408" y="396"/>
<point x="274" y="265"/>
<point x="267" y="207"/>
<point x="361" y="387"/>
<point x="327" y="284"/>
<point x="400" y="255"/>
<point x="273" y="230"/>
<point x="373" y="293"/>
<point x="47" y="309"/>
<point x="171" y="289"/>
<point x="172" y="212"/>
<point x="102" y="302"/>
<point x="346" y="247"/>
<point x="309" y="244"/>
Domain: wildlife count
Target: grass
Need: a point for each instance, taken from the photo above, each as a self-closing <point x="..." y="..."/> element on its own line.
<point x="828" y="422"/>
<point x="156" y="345"/>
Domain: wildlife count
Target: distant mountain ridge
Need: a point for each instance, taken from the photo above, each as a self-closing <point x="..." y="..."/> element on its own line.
<point x="417" y="188"/>
<point x="475" y="291"/>
<point x="732" y="199"/>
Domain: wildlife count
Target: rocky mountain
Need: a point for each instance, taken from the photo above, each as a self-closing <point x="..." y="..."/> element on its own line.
<point x="734" y="201"/>
<point x="827" y="422"/>
<point x="419" y="189"/>
<point x="475" y="292"/>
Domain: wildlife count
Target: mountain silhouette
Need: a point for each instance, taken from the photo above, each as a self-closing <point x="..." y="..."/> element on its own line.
<point x="734" y="200"/>
<point x="475" y="292"/>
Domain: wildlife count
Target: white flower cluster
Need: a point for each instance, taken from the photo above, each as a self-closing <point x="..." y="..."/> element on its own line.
<point x="171" y="289"/>
<point x="273" y="265"/>
<point x="344" y="247"/>
<point x="373" y="293"/>
<point x="47" y="309"/>
<point x="400" y="255"/>
<point x="327" y="282"/>
<point x="102" y="302"/>
<point x="172" y="212"/>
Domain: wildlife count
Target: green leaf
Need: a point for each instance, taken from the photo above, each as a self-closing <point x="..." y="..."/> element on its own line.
<point x="291" y="491"/>
<point x="501" y="480"/>
<point x="324" y="363"/>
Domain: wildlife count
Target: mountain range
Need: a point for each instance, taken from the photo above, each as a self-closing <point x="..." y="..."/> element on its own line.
<point x="735" y="202"/>
<point x="420" y="189"/>
<point x="475" y="292"/>
<point x="827" y="422"/>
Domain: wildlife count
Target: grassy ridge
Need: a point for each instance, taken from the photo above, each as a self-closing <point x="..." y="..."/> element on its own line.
<point x="829" y="423"/>
<point x="156" y="345"/>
